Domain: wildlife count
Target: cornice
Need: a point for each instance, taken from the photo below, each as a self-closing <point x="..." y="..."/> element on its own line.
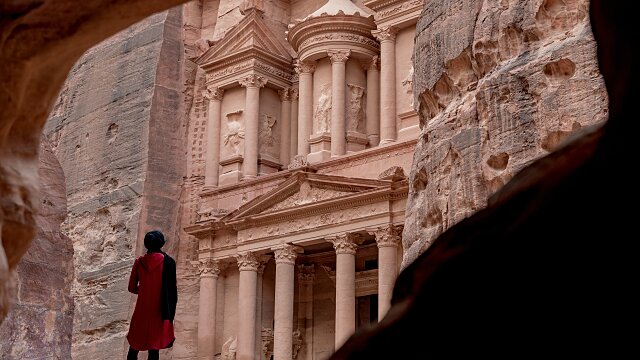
<point x="329" y="24"/>
<point x="379" y="150"/>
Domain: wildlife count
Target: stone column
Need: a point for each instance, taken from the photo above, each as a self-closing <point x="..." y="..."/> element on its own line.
<point x="373" y="101"/>
<point x="387" y="38"/>
<point x="212" y="165"/>
<point x="388" y="239"/>
<point x="285" y="256"/>
<point x="338" y="84"/>
<point x="306" y="276"/>
<point x="294" y="124"/>
<point x="263" y="259"/>
<point x="247" y="294"/>
<point x="209" y="272"/>
<point x="345" y="246"/>
<point x="252" y="84"/>
<point x="285" y="125"/>
<point x="305" y="71"/>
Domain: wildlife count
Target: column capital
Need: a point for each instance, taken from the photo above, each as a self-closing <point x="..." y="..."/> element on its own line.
<point x="213" y="93"/>
<point x="306" y="273"/>
<point x="304" y="67"/>
<point x="263" y="260"/>
<point x="253" y="80"/>
<point x="285" y="94"/>
<point x="209" y="267"/>
<point x="388" y="235"/>
<point x="286" y="254"/>
<point x="371" y="64"/>
<point x="295" y="92"/>
<point x="387" y="33"/>
<point x="338" y="56"/>
<point x="346" y="243"/>
<point x="248" y="261"/>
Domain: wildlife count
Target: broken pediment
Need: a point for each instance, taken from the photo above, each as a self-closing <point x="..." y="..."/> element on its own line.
<point x="251" y="34"/>
<point x="306" y="189"/>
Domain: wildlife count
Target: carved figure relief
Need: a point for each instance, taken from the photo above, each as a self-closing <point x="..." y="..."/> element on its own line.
<point x="297" y="343"/>
<point x="267" y="342"/>
<point x="322" y="112"/>
<point x="407" y="83"/>
<point x="356" y="109"/>
<point x="235" y="132"/>
<point x="267" y="140"/>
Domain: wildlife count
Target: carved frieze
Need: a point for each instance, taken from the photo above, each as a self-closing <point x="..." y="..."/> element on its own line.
<point x="299" y="161"/>
<point x="405" y="6"/>
<point x="248" y="261"/>
<point x="286" y="254"/>
<point x="306" y="195"/>
<point x="320" y="39"/>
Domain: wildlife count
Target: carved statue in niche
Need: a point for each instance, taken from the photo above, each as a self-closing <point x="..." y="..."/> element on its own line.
<point x="229" y="349"/>
<point x="297" y="343"/>
<point x="267" y="342"/>
<point x="266" y="131"/>
<point x="407" y="83"/>
<point x="235" y="132"/>
<point x="322" y="112"/>
<point x="356" y="109"/>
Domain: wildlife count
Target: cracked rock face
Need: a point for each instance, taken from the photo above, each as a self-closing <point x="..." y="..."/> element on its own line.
<point x="506" y="83"/>
<point x="41" y="317"/>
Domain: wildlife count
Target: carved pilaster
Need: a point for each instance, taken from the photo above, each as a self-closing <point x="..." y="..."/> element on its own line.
<point x="285" y="94"/>
<point x="388" y="236"/>
<point x="253" y="80"/>
<point x="387" y="33"/>
<point x="248" y="261"/>
<point x="305" y="67"/>
<point x="209" y="267"/>
<point x="338" y="56"/>
<point x="306" y="274"/>
<point x="213" y="93"/>
<point x="346" y="243"/>
<point x="286" y="254"/>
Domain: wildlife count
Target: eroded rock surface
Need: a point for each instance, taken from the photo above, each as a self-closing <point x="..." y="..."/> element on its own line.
<point x="41" y="317"/>
<point x="505" y="83"/>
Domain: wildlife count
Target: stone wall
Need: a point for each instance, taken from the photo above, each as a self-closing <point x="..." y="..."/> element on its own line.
<point x="499" y="84"/>
<point x="40" y="321"/>
<point x="118" y="134"/>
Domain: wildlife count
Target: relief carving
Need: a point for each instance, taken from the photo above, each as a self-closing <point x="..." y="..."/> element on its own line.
<point x="407" y="83"/>
<point x="306" y="195"/>
<point x="299" y="161"/>
<point x="267" y="342"/>
<point x="229" y="349"/>
<point x="267" y="140"/>
<point x="235" y="132"/>
<point x="297" y="343"/>
<point x="322" y="112"/>
<point x="356" y="109"/>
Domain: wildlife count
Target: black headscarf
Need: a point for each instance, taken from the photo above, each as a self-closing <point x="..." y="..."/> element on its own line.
<point x="154" y="241"/>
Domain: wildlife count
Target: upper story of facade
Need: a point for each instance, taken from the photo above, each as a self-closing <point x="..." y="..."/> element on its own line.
<point x="314" y="86"/>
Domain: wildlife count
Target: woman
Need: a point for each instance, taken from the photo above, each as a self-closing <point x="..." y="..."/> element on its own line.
<point x="153" y="279"/>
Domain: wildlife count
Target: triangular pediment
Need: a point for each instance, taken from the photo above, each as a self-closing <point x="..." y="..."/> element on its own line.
<point x="251" y="33"/>
<point x="306" y="189"/>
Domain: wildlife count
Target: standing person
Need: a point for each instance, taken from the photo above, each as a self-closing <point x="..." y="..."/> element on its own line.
<point x="153" y="279"/>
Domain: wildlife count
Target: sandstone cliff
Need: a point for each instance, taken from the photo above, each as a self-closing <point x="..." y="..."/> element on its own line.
<point x="499" y="83"/>
<point x="40" y="320"/>
<point x="118" y="133"/>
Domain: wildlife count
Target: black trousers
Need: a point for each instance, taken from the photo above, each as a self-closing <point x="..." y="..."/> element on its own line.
<point x="133" y="354"/>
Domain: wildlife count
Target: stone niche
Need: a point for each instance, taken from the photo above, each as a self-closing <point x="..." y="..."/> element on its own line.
<point x="269" y="132"/>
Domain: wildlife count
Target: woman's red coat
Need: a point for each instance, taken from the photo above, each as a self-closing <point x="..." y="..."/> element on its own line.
<point x="148" y="331"/>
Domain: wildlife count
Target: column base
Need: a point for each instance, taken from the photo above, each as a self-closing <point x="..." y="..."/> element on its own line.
<point x="386" y="142"/>
<point x="267" y="165"/>
<point x="374" y="140"/>
<point x="356" y="141"/>
<point x="320" y="148"/>
<point x="231" y="171"/>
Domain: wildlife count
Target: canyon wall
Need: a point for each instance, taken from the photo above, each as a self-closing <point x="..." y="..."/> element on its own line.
<point x="39" y="323"/>
<point x="118" y="134"/>
<point x="499" y="84"/>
